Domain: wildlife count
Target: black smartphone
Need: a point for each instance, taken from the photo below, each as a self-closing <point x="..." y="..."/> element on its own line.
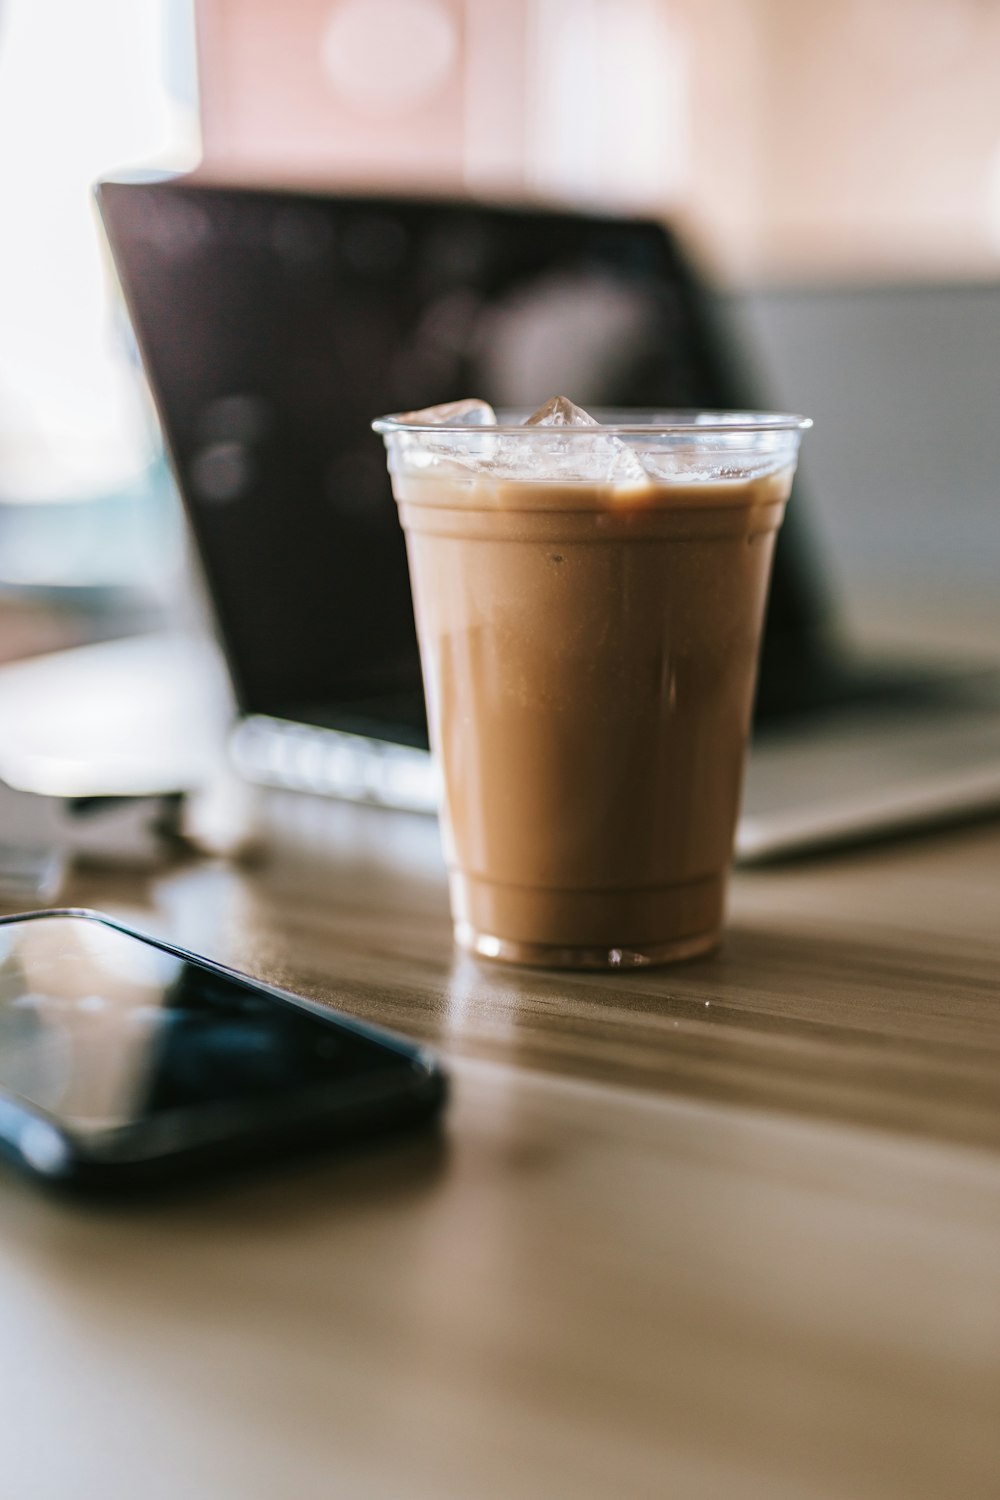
<point x="125" y="1060"/>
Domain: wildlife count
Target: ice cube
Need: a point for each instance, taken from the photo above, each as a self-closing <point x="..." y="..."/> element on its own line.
<point x="598" y="459"/>
<point x="690" y="464"/>
<point x="468" y="413"/>
<point x="561" y="412"/>
<point x="452" y="449"/>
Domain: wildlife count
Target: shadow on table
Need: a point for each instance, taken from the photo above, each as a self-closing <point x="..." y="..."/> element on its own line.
<point x="328" y="1182"/>
<point x="852" y="1032"/>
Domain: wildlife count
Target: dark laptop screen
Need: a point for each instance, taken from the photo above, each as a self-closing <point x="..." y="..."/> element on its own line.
<point x="274" y="326"/>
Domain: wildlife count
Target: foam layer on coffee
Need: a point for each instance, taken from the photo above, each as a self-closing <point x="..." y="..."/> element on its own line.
<point x="685" y="499"/>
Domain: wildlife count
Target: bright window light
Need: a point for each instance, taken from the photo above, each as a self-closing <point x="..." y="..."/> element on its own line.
<point x="85" y="88"/>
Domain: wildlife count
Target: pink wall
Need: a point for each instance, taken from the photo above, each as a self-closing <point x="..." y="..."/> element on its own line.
<point x="269" y="109"/>
<point x="852" y="137"/>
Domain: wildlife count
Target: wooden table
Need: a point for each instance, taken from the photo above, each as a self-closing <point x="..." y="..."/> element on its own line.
<point x="725" y="1230"/>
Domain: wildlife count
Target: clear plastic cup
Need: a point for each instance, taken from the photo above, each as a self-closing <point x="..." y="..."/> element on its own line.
<point x="589" y="604"/>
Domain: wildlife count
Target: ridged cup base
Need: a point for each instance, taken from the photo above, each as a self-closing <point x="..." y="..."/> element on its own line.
<point x="587" y="929"/>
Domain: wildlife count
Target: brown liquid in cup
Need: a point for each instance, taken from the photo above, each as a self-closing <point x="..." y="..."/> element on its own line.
<point x="589" y="657"/>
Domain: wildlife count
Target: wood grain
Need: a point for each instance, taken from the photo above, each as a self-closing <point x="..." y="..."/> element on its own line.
<point x="863" y="988"/>
<point x="728" y="1229"/>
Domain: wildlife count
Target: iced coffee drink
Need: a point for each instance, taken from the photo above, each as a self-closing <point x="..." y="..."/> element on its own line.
<point x="589" y="602"/>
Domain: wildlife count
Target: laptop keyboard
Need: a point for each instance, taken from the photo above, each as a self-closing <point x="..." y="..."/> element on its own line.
<point x="301" y="758"/>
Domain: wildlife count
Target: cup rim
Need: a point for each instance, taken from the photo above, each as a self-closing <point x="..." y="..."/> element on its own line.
<point x="637" y="422"/>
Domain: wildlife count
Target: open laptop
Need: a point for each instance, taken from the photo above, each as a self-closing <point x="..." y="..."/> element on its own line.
<point x="274" y="325"/>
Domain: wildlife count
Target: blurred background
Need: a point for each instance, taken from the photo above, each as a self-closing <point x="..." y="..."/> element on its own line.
<point x="835" y="169"/>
